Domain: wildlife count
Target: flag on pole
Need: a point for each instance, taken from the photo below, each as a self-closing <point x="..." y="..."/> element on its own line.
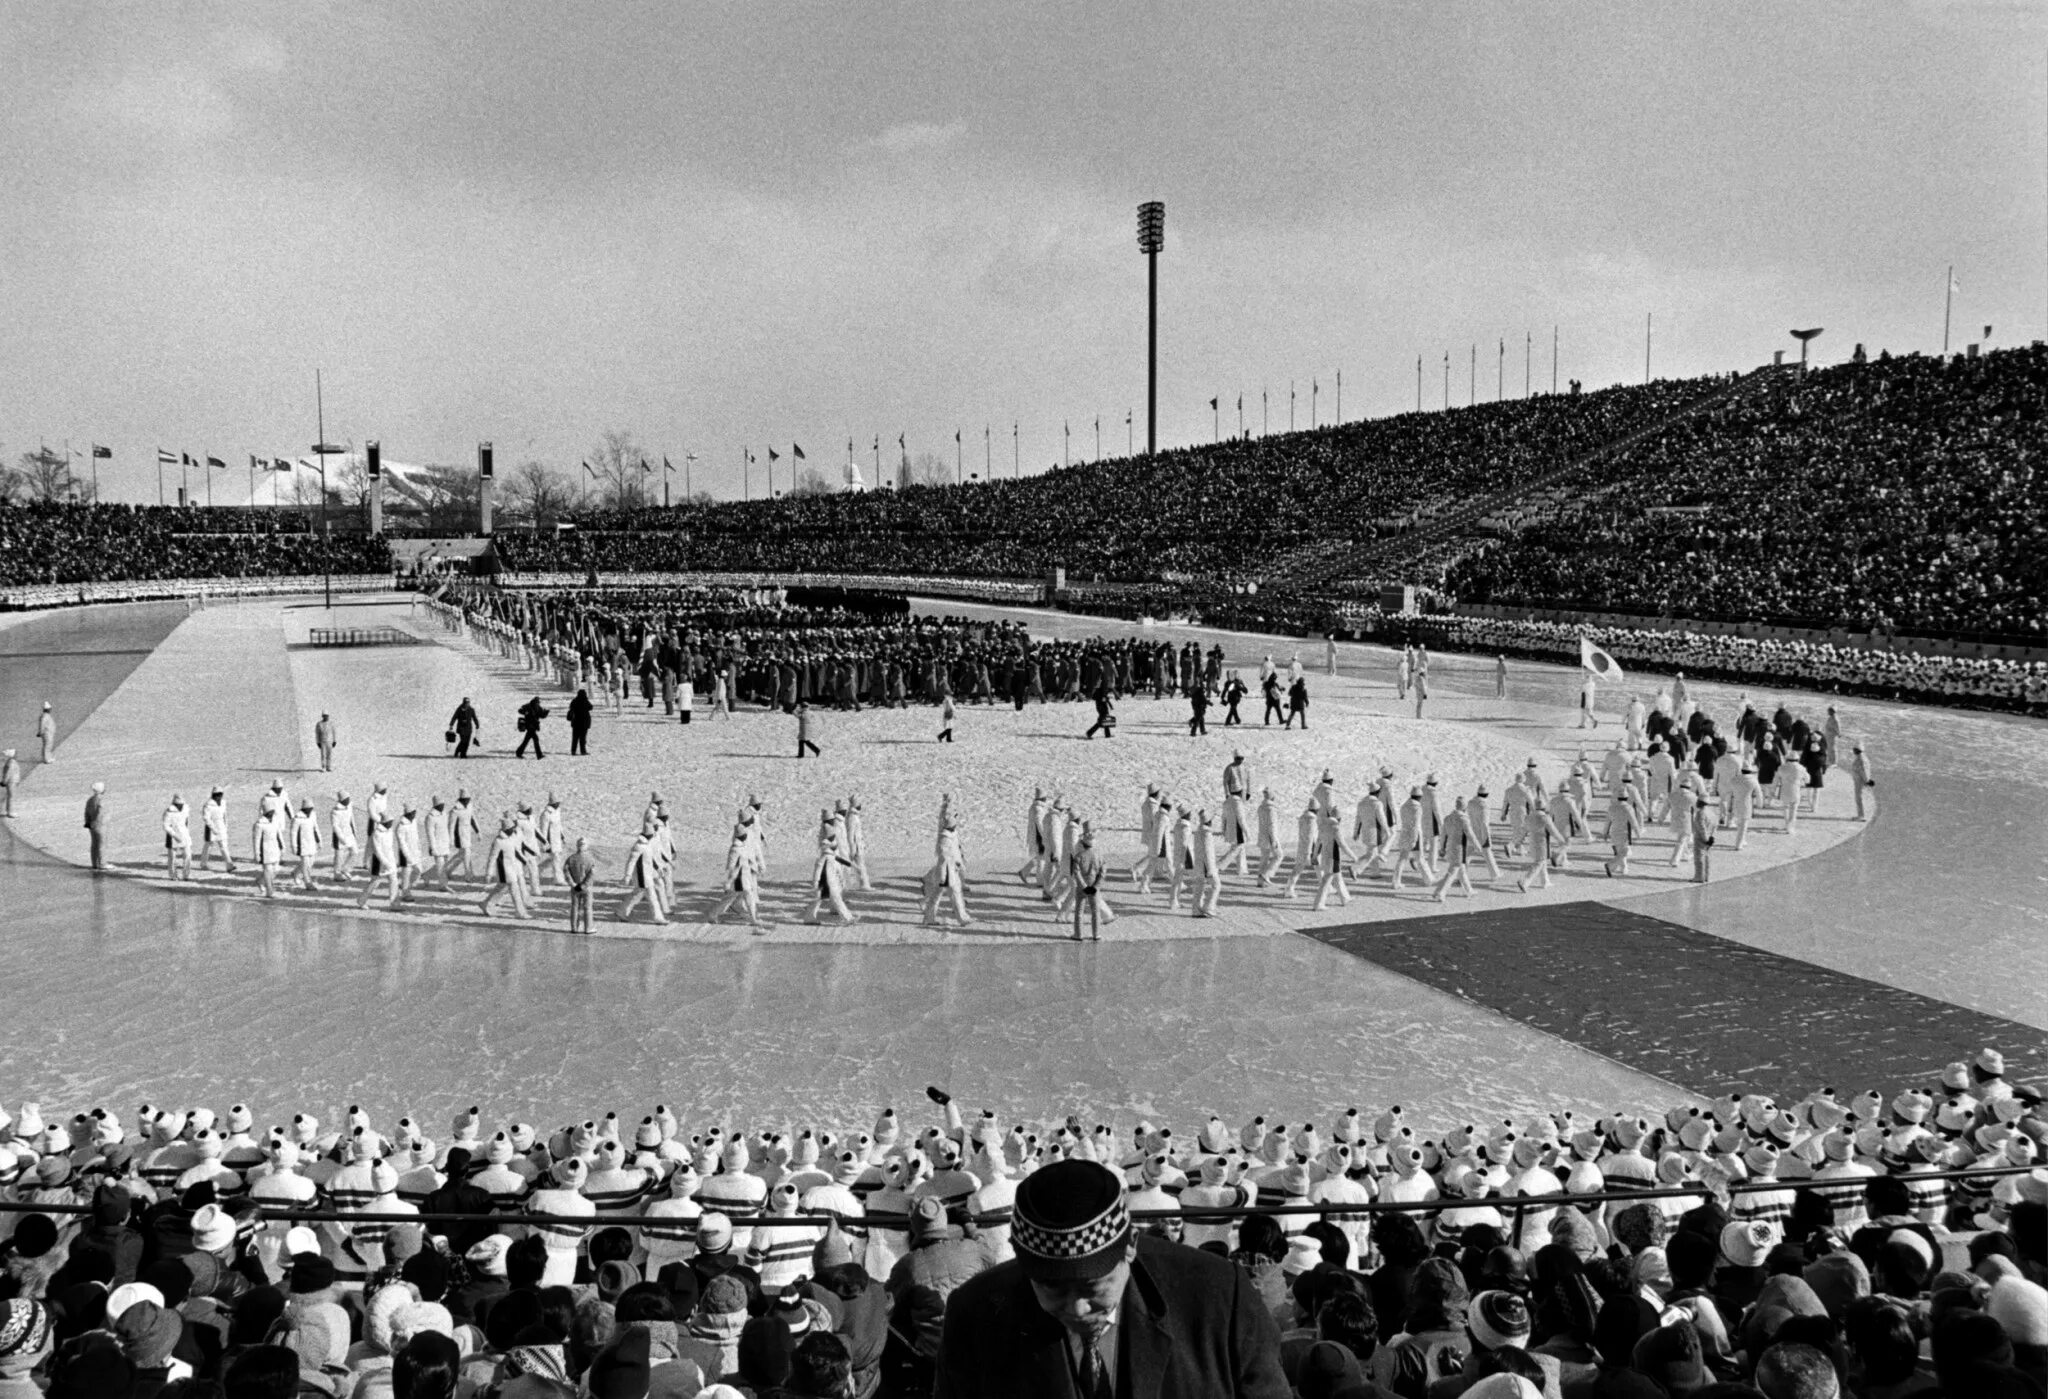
<point x="665" y="466"/>
<point x="164" y="458"/>
<point x="1212" y="404"/>
<point x="1598" y="661"/>
<point x="773" y="455"/>
<point x="254" y="461"/>
<point x="107" y="453"/>
<point x="216" y="461"/>
<point x="280" y="464"/>
<point x="646" y="466"/>
<point x="587" y="470"/>
<point x="185" y="459"/>
<point x="796" y="450"/>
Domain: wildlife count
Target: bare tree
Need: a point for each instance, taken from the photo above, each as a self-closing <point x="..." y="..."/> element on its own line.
<point x="622" y="471"/>
<point x="348" y="481"/>
<point x="46" y="475"/>
<point x="698" y="498"/>
<point x="305" y="484"/>
<point x="928" y="469"/>
<point x="811" y="481"/>
<point x="538" y="495"/>
<point x="450" y="494"/>
<point x="11" y="484"/>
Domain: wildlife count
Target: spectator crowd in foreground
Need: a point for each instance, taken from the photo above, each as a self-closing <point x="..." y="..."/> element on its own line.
<point x="1809" y="1249"/>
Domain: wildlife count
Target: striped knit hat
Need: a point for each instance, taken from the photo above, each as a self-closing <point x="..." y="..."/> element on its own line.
<point x="1071" y="1223"/>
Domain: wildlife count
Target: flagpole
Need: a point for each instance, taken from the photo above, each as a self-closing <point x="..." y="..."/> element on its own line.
<point x="1016" y="451"/>
<point x="159" y="479"/>
<point x="1948" y="302"/>
<point x="320" y="450"/>
<point x="1340" y="398"/>
<point x="1528" y="349"/>
<point x="209" y="483"/>
<point x="1418" y="383"/>
<point x="1553" y="357"/>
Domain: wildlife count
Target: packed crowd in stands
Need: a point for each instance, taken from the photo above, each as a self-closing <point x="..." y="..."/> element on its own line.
<point x="1898" y="494"/>
<point x="157" y="1258"/>
<point x="1226" y="509"/>
<point x="69" y="544"/>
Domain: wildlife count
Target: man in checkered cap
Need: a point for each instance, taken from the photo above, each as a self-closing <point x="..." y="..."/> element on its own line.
<point x="1089" y="1310"/>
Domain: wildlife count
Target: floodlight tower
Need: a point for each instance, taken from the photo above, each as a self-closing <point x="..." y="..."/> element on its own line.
<point x="1151" y="238"/>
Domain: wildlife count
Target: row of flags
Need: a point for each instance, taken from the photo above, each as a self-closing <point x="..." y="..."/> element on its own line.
<point x="667" y="466"/>
<point x="256" y="463"/>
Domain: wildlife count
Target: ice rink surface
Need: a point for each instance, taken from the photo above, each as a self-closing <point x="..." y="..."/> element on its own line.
<point x="192" y="996"/>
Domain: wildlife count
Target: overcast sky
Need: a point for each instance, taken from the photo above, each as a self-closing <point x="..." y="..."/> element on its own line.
<point x="765" y="222"/>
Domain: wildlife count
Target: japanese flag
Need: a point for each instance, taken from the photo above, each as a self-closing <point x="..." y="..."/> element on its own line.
<point x="1597" y="661"/>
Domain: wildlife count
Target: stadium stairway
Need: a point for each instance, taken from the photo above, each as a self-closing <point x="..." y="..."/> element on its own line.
<point x="1361" y="566"/>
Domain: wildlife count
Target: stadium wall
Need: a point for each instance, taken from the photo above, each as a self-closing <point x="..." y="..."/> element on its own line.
<point x="32" y="597"/>
<point x="1863" y="641"/>
<point x="1012" y="591"/>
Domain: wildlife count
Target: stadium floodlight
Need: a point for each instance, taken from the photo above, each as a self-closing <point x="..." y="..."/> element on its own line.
<point x="1805" y="337"/>
<point x="1151" y="238"/>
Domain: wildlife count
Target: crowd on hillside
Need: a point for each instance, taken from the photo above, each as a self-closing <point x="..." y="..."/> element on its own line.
<point x="64" y="544"/>
<point x="1221" y="510"/>
<point x="657" y="1264"/>
<point x="1897" y="494"/>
